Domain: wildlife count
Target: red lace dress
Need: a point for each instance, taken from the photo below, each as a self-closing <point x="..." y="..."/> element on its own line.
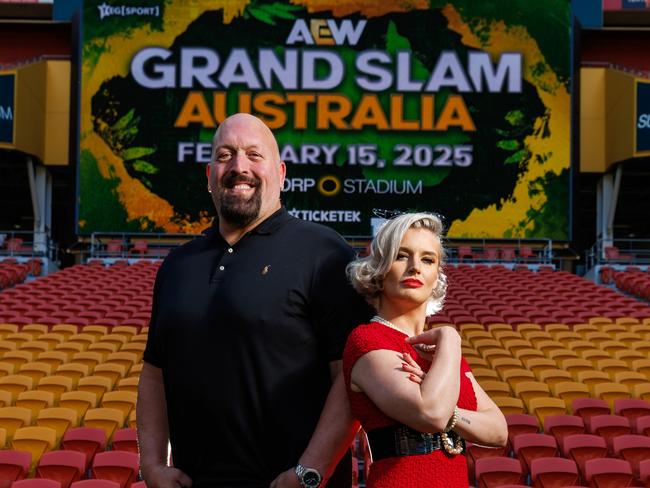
<point x="436" y="469"/>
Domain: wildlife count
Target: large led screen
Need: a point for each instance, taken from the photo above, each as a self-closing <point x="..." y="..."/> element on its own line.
<point x="459" y="107"/>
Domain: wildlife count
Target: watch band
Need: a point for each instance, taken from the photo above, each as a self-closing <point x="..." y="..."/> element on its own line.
<point x="309" y="477"/>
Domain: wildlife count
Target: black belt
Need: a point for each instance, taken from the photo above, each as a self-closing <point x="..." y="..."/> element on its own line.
<point x="401" y="440"/>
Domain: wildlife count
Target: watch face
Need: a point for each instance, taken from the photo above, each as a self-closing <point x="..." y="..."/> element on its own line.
<point x="311" y="479"/>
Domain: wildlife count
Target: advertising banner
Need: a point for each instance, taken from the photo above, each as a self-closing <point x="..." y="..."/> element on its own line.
<point x="456" y="107"/>
<point x="7" y="108"/>
<point x="633" y="4"/>
<point x="642" y="135"/>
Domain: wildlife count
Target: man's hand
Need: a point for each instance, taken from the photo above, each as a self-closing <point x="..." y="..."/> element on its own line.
<point x="288" y="479"/>
<point x="167" y="477"/>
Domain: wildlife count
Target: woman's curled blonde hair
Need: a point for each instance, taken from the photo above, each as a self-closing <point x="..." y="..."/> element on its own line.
<point x="367" y="274"/>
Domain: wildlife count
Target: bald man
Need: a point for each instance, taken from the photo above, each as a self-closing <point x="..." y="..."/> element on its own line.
<point x="249" y="321"/>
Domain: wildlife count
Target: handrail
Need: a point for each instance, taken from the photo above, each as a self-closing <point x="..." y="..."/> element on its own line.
<point x="21" y="243"/>
<point x="541" y="247"/>
<point x="157" y="244"/>
<point x="621" y="251"/>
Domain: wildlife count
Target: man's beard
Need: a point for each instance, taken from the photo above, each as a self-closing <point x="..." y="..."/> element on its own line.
<point x="234" y="208"/>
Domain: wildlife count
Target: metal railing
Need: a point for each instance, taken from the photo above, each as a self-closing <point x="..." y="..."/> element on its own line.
<point x="540" y="251"/>
<point x="524" y="250"/>
<point x="24" y="243"/>
<point x="122" y="245"/>
<point x="618" y="252"/>
<point x="132" y="245"/>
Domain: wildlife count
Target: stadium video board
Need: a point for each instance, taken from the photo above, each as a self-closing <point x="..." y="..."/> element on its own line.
<point x="7" y="108"/>
<point x="452" y="106"/>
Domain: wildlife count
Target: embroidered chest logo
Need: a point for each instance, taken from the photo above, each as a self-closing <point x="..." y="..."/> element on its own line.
<point x="266" y="269"/>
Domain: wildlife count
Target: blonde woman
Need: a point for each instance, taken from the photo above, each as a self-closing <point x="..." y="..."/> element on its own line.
<point x="412" y="392"/>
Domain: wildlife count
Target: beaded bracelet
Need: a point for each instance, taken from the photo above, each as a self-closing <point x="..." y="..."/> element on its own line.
<point x="447" y="443"/>
<point x="453" y="420"/>
<point x="449" y="446"/>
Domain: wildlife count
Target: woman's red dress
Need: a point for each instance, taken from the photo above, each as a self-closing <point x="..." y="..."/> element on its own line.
<point x="437" y="469"/>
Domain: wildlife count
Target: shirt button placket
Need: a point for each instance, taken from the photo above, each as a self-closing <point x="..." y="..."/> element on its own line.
<point x="226" y="258"/>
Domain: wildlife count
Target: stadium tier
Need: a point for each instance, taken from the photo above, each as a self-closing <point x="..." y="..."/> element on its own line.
<point x="567" y="360"/>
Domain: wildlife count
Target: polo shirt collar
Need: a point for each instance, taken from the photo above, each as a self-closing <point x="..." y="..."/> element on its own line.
<point x="272" y="223"/>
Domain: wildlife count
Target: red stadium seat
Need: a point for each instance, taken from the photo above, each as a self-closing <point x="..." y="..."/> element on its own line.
<point x="609" y="426"/>
<point x="88" y="441"/>
<point x="553" y="472"/>
<point x="608" y="473"/>
<point x="631" y="408"/>
<point x="114" y="246"/>
<point x="36" y="483"/>
<point x="121" y="467"/>
<point x="589" y="407"/>
<point x="521" y="424"/>
<point x="475" y="452"/>
<point x="492" y="472"/>
<point x="465" y="252"/>
<point x="14" y="465"/>
<point x="526" y="253"/>
<point x="632" y="448"/>
<point x="65" y="467"/>
<point x="125" y="440"/>
<point x="528" y="447"/>
<point x="95" y="484"/>
<point x="644" y="470"/>
<point x="584" y="447"/>
<point x="643" y="425"/>
<point x="139" y="246"/>
<point x="560" y="426"/>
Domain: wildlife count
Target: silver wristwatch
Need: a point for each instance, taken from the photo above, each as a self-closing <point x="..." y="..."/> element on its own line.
<point x="309" y="477"/>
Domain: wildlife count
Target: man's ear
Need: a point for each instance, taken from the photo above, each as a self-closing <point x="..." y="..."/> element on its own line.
<point x="283" y="174"/>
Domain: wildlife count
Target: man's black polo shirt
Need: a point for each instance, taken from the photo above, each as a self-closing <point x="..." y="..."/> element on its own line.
<point x="244" y="335"/>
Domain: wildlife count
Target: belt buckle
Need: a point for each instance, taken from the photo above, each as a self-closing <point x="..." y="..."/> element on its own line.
<point x="409" y="442"/>
<point x="402" y="441"/>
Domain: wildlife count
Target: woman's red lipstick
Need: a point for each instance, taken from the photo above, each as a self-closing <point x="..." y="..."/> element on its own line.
<point x="412" y="283"/>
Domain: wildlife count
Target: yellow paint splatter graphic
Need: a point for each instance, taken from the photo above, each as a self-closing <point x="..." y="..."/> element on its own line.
<point x="553" y="150"/>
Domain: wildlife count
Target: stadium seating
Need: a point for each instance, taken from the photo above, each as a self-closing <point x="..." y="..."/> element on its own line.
<point x="528" y="447"/>
<point x="65" y="467"/>
<point x="551" y="349"/>
<point x="608" y="473"/>
<point x="14" y="465"/>
<point x="553" y="472"/>
<point x="632" y="409"/>
<point x="561" y="426"/>
<point x="36" y="483"/>
<point x="582" y="448"/>
<point x="119" y="466"/>
<point x="632" y="448"/>
<point x="125" y="440"/>
<point x="608" y="427"/>
<point x="492" y="472"/>
<point x="95" y="484"/>
<point x="643" y="425"/>
<point x="86" y="440"/>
